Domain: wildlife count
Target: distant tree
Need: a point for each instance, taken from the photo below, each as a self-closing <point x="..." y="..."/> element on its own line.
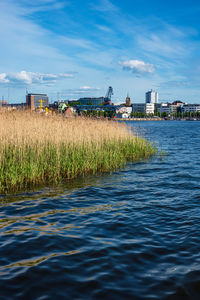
<point x="164" y="115"/>
<point x="156" y="112"/>
<point x="74" y="104"/>
<point x="94" y="113"/>
<point x="83" y="113"/>
<point x="100" y="113"/>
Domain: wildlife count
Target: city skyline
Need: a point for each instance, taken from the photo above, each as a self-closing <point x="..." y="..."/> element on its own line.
<point x="79" y="49"/>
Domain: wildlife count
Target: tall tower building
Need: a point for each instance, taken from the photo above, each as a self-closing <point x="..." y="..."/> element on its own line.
<point x="128" y="100"/>
<point x="151" y="97"/>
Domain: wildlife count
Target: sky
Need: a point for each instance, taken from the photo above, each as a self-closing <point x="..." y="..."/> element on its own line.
<point x="74" y="48"/>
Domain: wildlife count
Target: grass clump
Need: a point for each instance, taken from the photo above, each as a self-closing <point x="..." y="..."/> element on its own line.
<point x="36" y="149"/>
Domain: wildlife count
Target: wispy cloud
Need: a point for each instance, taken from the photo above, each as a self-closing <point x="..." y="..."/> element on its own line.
<point x="162" y="45"/>
<point x="104" y="28"/>
<point x="75" y="42"/>
<point x="105" y="6"/>
<point x="27" y="78"/>
<point x="31" y="7"/>
<point x="80" y="92"/>
<point x="137" y="66"/>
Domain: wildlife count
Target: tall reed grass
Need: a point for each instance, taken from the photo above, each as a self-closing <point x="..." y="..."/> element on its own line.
<point x="37" y="149"/>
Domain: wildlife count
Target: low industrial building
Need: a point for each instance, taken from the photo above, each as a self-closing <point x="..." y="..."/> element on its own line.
<point x="91" y="101"/>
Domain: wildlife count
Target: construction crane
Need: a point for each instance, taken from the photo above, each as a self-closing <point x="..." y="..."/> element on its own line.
<point x="41" y="104"/>
<point x="109" y="94"/>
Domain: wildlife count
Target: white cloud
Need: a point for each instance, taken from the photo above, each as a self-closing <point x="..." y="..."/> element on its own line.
<point x="3" y="78"/>
<point x="137" y="66"/>
<point x="88" y="88"/>
<point x="27" y="78"/>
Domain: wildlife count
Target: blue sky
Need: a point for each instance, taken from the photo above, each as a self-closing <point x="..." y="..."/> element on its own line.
<point x="78" y="48"/>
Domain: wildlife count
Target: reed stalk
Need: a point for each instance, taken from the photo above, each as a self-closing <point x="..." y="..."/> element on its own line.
<point x="37" y="149"/>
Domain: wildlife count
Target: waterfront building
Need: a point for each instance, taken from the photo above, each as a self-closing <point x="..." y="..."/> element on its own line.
<point x="169" y="108"/>
<point x="178" y="103"/>
<point x="149" y="108"/>
<point x="143" y="108"/>
<point x="164" y="108"/>
<point x="37" y="101"/>
<point x="151" y="97"/>
<point x="123" y="112"/>
<point x="138" y="107"/>
<point x="191" y="108"/>
<point x="88" y="101"/>
<point x="91" y="101"/>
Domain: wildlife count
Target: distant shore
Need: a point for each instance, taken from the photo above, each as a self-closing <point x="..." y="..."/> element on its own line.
<point x="154" y="119"/>
<point x="139" y="119"/>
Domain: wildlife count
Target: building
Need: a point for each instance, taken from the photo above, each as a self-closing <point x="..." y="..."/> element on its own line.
<point x="178" y="103"/>
<point x="191" y="108"/>
<point x="149" y="108"/>
<point x="14" y="106"/>
<point x="139" y="108"/>
<point x="128" y="101"/>
<point x="168" y="108"/>
<point x="123" y="112"/>
<point x="37" y="101"/>
<point x="69" y="112"/>
<point x="143" y="108"/>
<point x="3" y="102"/>
<point x="151" y="97"/>
<point x="164" y="108"/>
<point x="91" y="101"/>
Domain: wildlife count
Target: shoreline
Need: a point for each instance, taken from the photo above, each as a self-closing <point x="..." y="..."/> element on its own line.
<point x="139" y="119"/>
<point x="152" y="119"/>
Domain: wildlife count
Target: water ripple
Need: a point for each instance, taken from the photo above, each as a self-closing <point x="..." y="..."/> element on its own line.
<point x="133" y="234"/>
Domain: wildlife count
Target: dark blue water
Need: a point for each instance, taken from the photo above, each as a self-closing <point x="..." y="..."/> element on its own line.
<point x="133" y="234"/>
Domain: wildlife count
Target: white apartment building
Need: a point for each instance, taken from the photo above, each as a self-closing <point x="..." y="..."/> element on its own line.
<point x="191" y="108"/>
<point x="167" y="108"/>
<point x="164" y="108"/>
<point x="147" y="108"/>
<point x="151" y="97"/>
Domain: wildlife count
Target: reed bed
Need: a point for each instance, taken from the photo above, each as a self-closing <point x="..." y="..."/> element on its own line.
<point x="37" y="149"/>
